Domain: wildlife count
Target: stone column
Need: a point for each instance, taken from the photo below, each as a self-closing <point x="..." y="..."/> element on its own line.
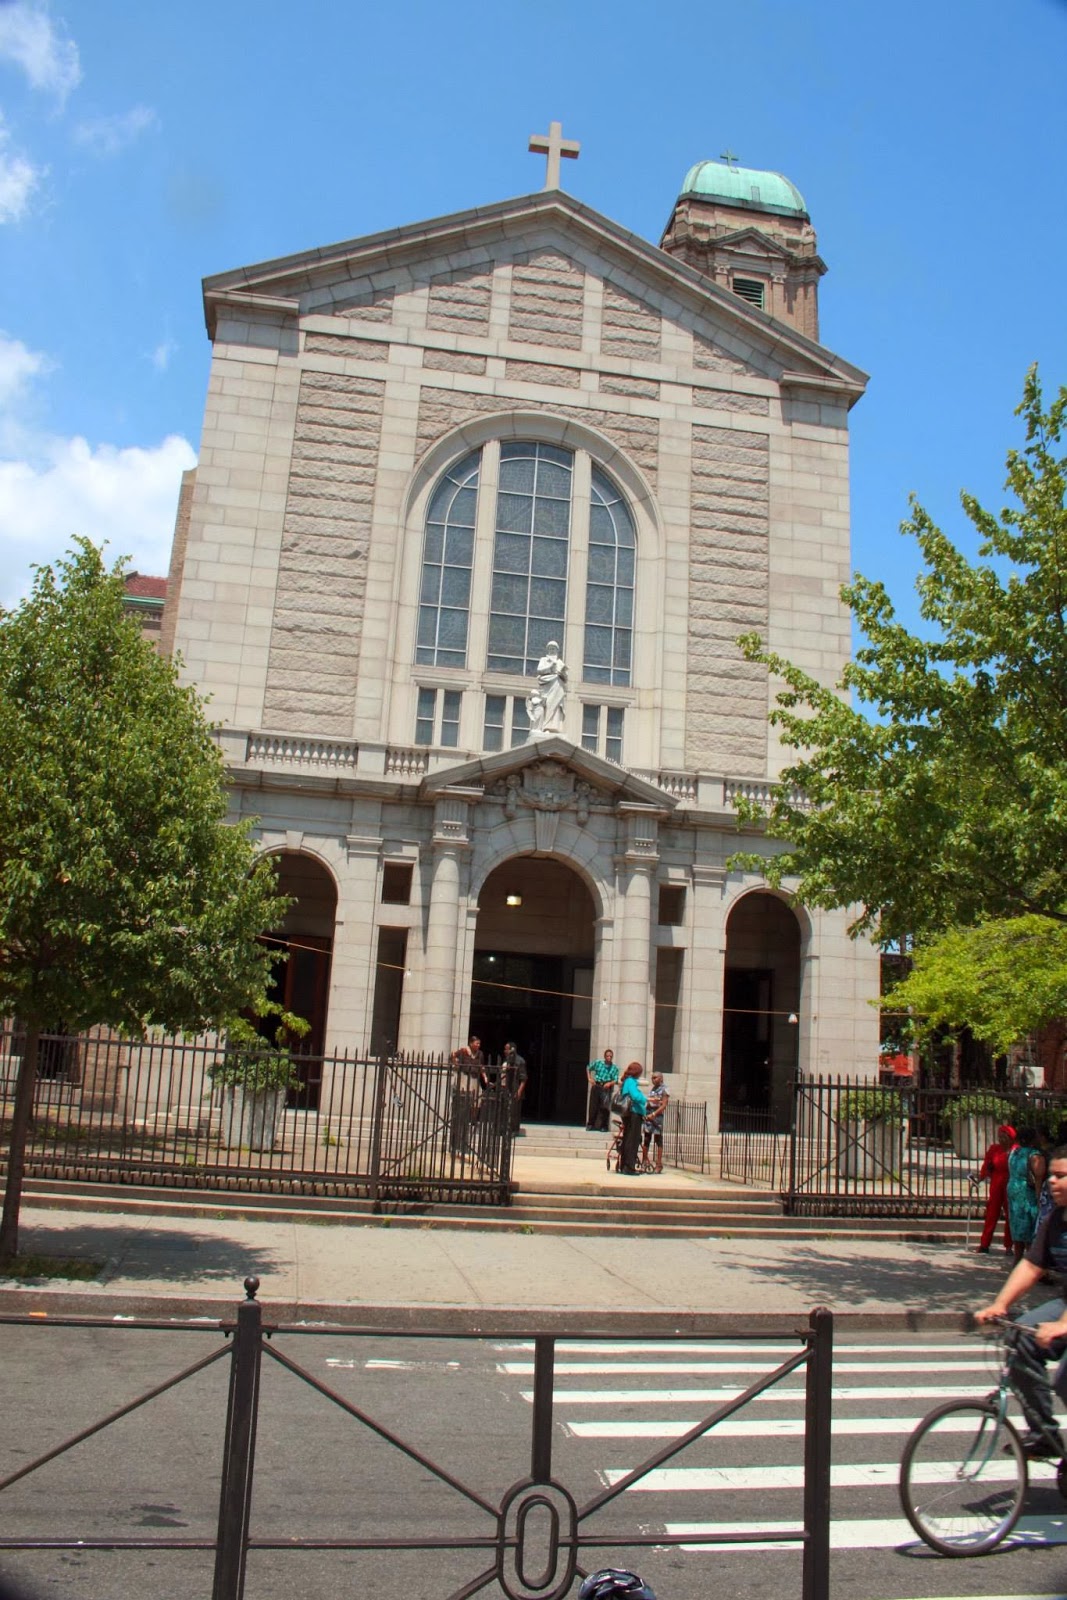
<point x="636" y="863"/>
<point x="450" y="842"/>
<point x="702" y="1050"/>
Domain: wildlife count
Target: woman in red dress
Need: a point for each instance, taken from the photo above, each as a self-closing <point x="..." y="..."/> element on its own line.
<point x="995" y="1168"/>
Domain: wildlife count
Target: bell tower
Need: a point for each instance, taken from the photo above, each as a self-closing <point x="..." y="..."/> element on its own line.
<point x="749" y="231"/>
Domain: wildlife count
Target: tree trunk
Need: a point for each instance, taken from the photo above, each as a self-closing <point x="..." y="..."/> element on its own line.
<point x="16" y="1156"/>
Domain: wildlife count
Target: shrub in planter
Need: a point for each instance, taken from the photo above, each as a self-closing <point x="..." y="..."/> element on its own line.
<point x="254" y="1075"/>
<point x="871" y="1126"/>
<point x="972" y="1121"/>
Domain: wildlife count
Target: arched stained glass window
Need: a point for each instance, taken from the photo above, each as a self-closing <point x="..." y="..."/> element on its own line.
<point x="447" y="560"/>
<point x="609" y="590"/>
<point x="528" y="604"/>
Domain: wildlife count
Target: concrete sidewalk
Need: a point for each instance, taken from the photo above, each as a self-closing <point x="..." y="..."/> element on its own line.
<point x="194" y="1266"/>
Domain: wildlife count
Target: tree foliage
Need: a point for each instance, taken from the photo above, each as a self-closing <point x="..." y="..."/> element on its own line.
<point x="125" y="897"/>
<point x="929" y="788"/>
<point x="1005" y="977"/>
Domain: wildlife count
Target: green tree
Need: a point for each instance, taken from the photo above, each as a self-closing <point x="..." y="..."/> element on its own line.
<point x="929" y="788"/>
<point x="126" y="898"/>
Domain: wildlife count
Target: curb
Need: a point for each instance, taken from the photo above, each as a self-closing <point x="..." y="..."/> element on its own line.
<point x="464" y="1321"/>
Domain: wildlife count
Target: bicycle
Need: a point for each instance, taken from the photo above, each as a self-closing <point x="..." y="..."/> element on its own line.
<point x="964" y="1475"/>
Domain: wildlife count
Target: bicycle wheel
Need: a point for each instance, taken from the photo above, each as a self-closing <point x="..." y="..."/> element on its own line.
<point x="963" y="1478"/>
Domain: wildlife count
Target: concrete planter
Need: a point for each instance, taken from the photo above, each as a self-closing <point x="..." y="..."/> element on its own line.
<point x="972" y="1136"/>
<point x="251" y="1120"/>
<point x="871" y="1149"/>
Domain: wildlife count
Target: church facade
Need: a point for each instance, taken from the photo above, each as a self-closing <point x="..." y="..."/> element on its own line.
<point x="428" y="454"/>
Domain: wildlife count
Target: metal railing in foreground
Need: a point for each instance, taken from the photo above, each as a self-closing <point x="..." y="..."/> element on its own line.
<point x="536" y="1537"/>
<point x="861" y="1149"/>
<point x="396" y="1129"/>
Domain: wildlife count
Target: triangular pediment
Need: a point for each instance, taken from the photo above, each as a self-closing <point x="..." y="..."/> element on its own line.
<point x="548" y="771"/>
<point x="754" y="242"/>
<point x="361" y="273"/>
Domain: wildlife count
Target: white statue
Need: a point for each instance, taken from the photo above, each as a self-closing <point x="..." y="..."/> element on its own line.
<point x="544" y="705"/>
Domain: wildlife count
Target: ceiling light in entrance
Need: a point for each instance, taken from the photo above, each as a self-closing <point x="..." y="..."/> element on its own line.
<point x="513" y="900"/>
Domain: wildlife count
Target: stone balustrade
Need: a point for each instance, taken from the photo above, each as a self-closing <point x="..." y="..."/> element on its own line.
<point x="293" y="751"/>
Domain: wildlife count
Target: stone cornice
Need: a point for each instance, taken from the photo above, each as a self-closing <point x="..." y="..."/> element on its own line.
<point x="287" y="277"/>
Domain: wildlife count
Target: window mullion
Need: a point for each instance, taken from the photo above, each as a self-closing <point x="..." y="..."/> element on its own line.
<point x="482" y="576"/>
<point x="574" y="644"/>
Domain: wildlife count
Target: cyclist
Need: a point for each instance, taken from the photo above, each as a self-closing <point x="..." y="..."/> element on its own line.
<point x="1029" y="1361"/>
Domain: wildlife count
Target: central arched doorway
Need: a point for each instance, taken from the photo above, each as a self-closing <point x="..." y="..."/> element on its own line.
<point x="301" y="983"/>
<point x="533" y="979"/>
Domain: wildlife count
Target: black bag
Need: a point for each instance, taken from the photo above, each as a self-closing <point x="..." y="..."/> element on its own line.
<point x="620" y="1104"/>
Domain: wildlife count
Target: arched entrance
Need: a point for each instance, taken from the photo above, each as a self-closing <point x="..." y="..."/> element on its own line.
<point x="533" y="979"/>
<point x="761" y="1002"/>
<point x="302" y="984"/>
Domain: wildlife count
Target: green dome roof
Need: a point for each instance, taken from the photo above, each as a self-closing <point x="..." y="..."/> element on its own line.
<point x="744" y="186"/>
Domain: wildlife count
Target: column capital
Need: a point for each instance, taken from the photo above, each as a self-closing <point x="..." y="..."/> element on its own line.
<point x="639" y="826"/>
<point x="451" y="816"/>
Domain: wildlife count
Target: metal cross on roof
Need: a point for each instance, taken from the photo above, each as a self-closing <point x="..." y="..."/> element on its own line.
<point x="729" y="157"/>
<point x="553" y="145"/>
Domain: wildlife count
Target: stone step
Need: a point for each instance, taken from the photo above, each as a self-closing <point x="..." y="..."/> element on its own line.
<point x="487" y="1219"/>
<point x="629" y="1216"/>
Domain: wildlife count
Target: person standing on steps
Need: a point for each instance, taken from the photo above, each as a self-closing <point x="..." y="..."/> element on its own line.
<point x="513" y="1076"/>
<point x="636" y="1106"/>
<point x="652" y="1134"/>
<point x="603" y="1075"/>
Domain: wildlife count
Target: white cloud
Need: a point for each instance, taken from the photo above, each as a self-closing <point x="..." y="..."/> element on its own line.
<point x="106" y="136"/>
<point x="48" y="58"/>
<point x="52" y="488"/>
<point x="18" y="177"/>
<point x="160" y="356"/>
<point x="18" y="364"/>
<point x="126" y="497"/>
<point x="30" y="39"/>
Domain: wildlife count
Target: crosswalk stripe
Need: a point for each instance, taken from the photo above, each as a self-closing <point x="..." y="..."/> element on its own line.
<point x="860" y="1475"/>
<point x="874" y="1533"/>
<point x="766" y="1427"/>
<point x="602" y="1369"/>
<point x="624" y="1347"/>
<point x="666" y="1397"/>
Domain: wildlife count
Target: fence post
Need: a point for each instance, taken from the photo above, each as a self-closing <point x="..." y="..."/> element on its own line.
<point x="817" y="1402"/>
<point x="239" y="1450"/>
<point x="541" y="1433"/>
<point x="377" y="1120"/>
<point x="794" y="1127"/>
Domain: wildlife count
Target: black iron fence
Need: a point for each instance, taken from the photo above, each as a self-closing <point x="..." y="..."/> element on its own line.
<point x="396" y="1129"/>
<point x="685" y="1135"/>
<point x="857" y="1148"/>
<point x="536" y="1539"/>
<point x="753" y="1149"/>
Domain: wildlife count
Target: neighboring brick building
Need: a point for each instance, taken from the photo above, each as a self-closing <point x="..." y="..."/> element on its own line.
<point x="145" y="600"/>
<point x="427" y="453"/>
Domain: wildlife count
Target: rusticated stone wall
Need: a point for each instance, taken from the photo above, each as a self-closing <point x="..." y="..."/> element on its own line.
<point x="728" y="595"/>
<point x="318" y="612"/>
<point x="459" y="303"/>
<point x="547" y="301"/>
<point x="629" y="327"/>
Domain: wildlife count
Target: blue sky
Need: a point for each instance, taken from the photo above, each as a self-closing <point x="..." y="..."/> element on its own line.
<point x="143" y="147"/>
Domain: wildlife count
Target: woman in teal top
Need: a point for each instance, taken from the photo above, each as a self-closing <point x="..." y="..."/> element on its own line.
<point x="636" y="1106"/>
<point x="1026" y="1165"/>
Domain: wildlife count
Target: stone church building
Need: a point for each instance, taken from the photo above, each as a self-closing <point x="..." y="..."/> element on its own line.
<point x="428" y="453"/>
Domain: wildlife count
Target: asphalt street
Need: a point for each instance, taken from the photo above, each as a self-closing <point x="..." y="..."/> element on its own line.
<point x="466" y="1406"/>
